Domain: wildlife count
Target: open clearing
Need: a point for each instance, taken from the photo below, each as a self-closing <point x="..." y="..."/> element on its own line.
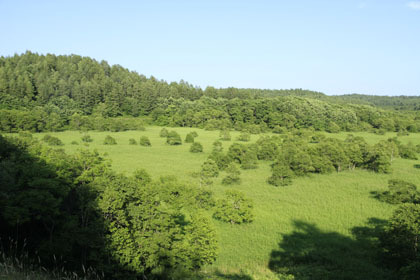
<point x="337" y="202"/>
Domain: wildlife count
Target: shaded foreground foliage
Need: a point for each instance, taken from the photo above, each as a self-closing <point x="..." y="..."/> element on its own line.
<point x="73" y="210"/>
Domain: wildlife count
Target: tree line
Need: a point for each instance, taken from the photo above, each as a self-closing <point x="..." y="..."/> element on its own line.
<point x="48" y="92"/>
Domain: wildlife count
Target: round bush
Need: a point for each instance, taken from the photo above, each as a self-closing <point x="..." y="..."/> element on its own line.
<point x="52" y="140"/>
<point x="144" y="141"/>
<point x="196" y="148"/>
<point x="163" y="132"/>
<point x="189" y="138"/>
<point x="110" y="140"/>
<point x="173" y="138"/>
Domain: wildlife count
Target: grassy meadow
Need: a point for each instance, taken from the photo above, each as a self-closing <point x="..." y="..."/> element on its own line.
<point x="315" y="211"/>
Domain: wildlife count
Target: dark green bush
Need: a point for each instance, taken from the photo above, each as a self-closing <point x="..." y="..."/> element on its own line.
<point x="232" y="176"/>
<point x="110" y="140"/>
<point x="86" y="138"/>
<point x="173" y="138"/>
<point x="163" y="132"/>
<point x="52" y="140"/>
<point x="144" y="141"/>
<point x="196" y="148"/>
<point x="189" y="138"/>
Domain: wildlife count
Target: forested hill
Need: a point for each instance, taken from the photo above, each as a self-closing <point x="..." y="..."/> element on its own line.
<point x="37" y="87"/>
<point x="388" y="102"/>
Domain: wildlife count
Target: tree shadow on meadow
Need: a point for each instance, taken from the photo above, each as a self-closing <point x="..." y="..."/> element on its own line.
<point x="234" y="276"/>
<point x="218" y="275"/>
<point x="310" y="253"/>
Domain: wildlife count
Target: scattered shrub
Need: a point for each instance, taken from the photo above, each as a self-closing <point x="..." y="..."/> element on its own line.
<point x="225" y="135"/>
<point x="317" y="138"/>
<point x="379" y="131"/>
<point x="209" y="170"/>
<point x="400" y="191"/>
<point x="132" y="141"/>
<point x="110" y="140"/>
<point x="86" y="138"/>
<point x="173" y="138"/>
<point x="249" y="160"/>
<point x="232" y="176"/>
<point x="204" y="199"/>
<point x="217" y="147"/>
<point x="25" y="134"/>
<point x="403" y="133"/>
<point x="196" y="148"/>
<point x="244" y="136"/>
<point x="189" y="138"/>
<point x="52" y="140"/>
<point x="281" y="174"/>
<point x="408" y="151"/>
<point x="194" y="133"/>
<point x="163" y="132"/>
<point x="279" y="130"/>
<point x="235" y="208"/>
<point x="144" y="141"/>
<point x="74" y="143"/>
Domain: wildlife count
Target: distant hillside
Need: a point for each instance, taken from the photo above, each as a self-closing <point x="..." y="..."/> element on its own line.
<point x="387" y="102"/>
<point x="72" y="86"/>
<point x="75" y="82"/>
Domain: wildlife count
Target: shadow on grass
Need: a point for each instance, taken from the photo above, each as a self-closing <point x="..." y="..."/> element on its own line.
<point x="188" y="275"/>
<point x="310" y="253"/>
<point x="218" y="275"/>
<point x="383" y="196"/>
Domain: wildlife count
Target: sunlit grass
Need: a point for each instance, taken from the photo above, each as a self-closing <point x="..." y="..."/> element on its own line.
<point x="334" y="202"/>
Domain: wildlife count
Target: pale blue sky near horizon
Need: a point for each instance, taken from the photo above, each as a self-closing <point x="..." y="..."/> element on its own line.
<point x="335" y="47"/>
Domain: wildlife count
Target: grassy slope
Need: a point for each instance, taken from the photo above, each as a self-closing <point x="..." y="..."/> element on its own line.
<point x="333" y="203"/>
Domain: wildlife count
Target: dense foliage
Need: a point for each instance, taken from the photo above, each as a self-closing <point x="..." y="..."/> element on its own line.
<point x="74" y="208"/>
<point x="50" y="93"/>
<point x="401" y="238"/>
<point x="235" y="208"/>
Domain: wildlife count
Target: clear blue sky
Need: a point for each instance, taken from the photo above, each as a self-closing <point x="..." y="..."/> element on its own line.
<point x="337" y="47"/>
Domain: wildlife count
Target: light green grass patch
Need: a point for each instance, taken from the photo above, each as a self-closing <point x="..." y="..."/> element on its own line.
<point x="336" y="202"/>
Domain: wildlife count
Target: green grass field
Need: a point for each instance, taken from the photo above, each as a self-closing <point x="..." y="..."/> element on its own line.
<point x="331" y="205"/>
